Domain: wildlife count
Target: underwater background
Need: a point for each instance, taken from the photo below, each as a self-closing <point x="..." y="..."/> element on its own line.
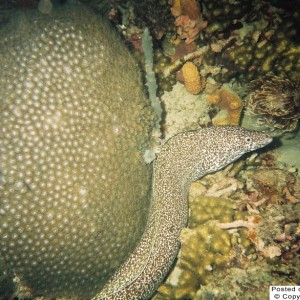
<point x="213" y="63"/>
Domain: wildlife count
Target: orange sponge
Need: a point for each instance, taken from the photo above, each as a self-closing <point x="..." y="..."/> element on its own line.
<point x="229" y="102"/>
<point x="193" y="82"/>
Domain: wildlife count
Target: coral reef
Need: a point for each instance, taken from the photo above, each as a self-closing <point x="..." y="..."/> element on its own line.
<point x="154" y="14"/>
<point x="248" y="41"/>
<point x="249" y="282"/>
<point x="74" y="126"/>
<point x="193" y="81"/>
<point x="276" y="100"/>
<point x="254" y="203"/>
<point x="195" y="55"/>
<point x="205" y="247"/>
<point x="276" y="184"/>
<point x="236" y="235"/>
<point x="184" y="111"/>
<point x="134" y="16"/>
<point x="182" y="159"/>
<point x="189" y="20"/>
<point x="252" y="39"/>
<point x="161" y="62"/>
<point x="230" y="104"/>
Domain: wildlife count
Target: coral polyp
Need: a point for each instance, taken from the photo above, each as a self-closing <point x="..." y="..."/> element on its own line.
<point x="277" y="100"/>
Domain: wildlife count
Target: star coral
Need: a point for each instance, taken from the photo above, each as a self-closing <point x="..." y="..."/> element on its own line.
<point x="74" y="126"/>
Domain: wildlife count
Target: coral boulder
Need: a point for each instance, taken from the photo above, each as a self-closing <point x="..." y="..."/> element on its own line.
<point x="74" y="126"/>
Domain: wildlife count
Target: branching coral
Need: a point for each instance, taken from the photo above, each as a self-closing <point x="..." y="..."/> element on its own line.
<point x="276" y="100"/>
<point x="276" y="184"/>
<point x="179" y="62"/>
<point x="272" y="232"/>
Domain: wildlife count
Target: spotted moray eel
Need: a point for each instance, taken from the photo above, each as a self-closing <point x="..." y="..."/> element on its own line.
<point x="183" y="159"/>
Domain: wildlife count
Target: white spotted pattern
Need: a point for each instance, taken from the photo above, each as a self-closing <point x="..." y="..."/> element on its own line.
<point x="183" y="159"/>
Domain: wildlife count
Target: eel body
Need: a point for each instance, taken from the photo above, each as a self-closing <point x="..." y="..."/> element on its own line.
<point x="183" y="159"/>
